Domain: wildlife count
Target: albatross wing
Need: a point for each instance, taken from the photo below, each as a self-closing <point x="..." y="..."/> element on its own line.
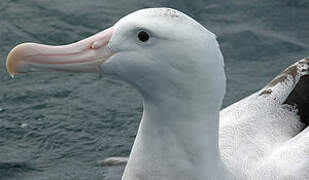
<point x="265" y="135"/>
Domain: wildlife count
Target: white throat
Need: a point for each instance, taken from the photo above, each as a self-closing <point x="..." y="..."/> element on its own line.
<point x="177" y="139"/>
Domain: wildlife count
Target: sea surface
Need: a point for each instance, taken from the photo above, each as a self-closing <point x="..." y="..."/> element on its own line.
<point x="60" y="125"/>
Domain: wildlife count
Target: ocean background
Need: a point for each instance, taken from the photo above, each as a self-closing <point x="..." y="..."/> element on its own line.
<point x="60" y="125"/>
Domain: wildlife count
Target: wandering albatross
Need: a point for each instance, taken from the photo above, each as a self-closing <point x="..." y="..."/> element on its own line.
<point x="177" y="66"/>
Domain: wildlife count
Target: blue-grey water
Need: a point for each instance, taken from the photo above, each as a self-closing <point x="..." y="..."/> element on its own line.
<point x="58" y="125"/>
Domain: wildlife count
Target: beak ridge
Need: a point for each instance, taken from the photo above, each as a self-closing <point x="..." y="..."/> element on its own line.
<point x="83" y="56"/>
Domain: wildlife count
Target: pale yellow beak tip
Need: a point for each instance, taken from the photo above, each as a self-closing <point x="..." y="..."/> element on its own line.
<point x="10" y="65"/>
<point x="83" y="56"/>
<point x="13" y="60"/>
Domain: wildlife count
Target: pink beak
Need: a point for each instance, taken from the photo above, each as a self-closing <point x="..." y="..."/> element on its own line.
<point x="83" y="56"/>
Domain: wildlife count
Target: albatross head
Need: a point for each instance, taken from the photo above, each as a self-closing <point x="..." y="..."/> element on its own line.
<point x="176" y="65"/>
<point x="160" y="51"/>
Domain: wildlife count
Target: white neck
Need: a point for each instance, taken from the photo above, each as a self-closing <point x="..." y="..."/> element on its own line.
<point x="178" y="135"/>
<point x="176" y="139"/>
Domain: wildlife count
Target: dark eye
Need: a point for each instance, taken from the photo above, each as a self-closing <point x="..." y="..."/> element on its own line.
<point x="143" y="36"/>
